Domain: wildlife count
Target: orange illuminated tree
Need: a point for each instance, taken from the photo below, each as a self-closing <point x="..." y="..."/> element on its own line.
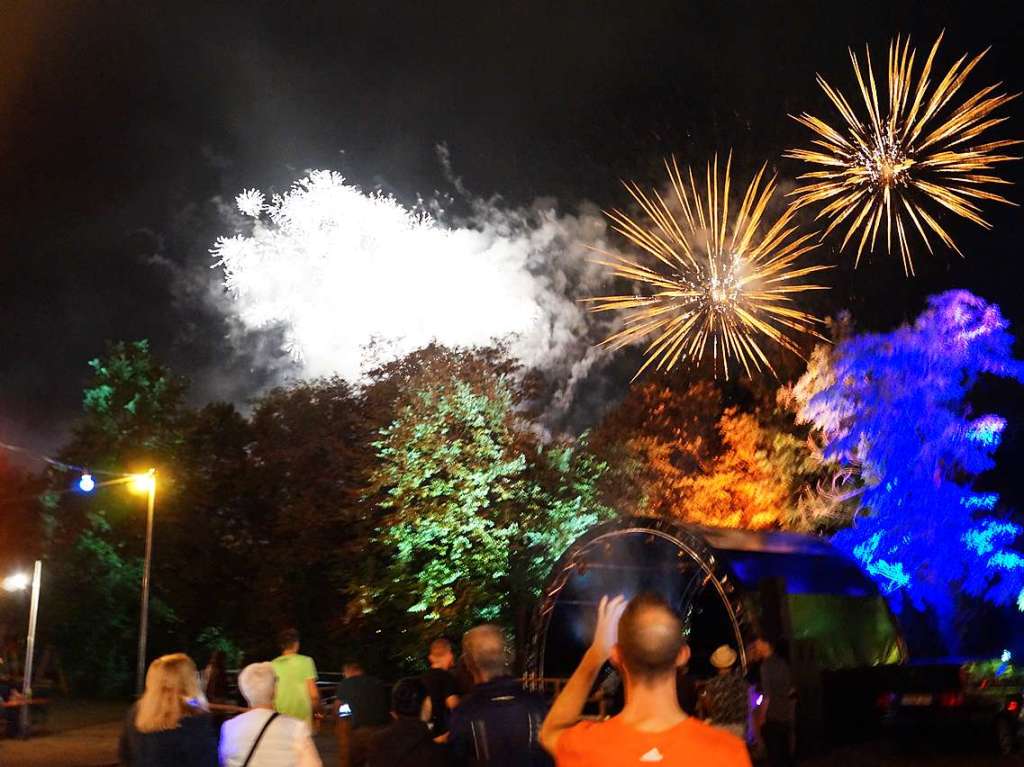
<point x="753" y="483"/>
<point x="678" y="452"/>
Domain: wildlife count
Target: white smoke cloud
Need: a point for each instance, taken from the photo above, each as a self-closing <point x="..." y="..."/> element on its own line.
<point x="336" y="269"/>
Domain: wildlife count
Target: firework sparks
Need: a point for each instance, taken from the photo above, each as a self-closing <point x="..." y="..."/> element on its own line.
<point x="919" y="154"/>
<point x="717" y="283"/>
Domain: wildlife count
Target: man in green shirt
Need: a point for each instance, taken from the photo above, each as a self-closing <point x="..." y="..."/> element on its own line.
<point x="296" y="694"/>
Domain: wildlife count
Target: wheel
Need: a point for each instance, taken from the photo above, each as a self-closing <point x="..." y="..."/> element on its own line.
<point x="1006" y="737"/>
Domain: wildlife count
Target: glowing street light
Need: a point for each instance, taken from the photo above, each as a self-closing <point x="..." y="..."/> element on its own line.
<point x="16" y="582"/>
<point x="144" y="483"/>
<point x="20" y="582"/>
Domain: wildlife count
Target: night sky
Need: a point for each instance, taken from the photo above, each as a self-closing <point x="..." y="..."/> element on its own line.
<point x="122" y="124"/>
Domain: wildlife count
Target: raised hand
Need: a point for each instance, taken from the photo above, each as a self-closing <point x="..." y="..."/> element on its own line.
<point x="606" y="633"/>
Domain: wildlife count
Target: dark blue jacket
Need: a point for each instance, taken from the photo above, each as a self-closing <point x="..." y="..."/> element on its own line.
<point x="498" y="725"/>
<point x="193" y="743"/>
<point x="368" y="698"/>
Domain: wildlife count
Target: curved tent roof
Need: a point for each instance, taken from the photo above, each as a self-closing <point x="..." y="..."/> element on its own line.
<point x="716" y="579"/>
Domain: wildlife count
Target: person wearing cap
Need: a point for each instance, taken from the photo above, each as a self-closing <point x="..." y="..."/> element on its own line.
<point x="726" y="696"/>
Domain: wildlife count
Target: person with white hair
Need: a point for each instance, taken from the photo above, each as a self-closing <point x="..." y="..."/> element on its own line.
<point x="262" y="737"/>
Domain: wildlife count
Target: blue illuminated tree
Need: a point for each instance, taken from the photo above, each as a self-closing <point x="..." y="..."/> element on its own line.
<point x="893" y="410"/>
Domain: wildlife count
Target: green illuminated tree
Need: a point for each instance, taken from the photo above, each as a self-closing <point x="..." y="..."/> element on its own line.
<point x="475" y="510"/>
<point x="133" y="418"/>
<point x="133" y="409"/>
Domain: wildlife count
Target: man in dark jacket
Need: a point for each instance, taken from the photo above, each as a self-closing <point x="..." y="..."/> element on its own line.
<point x="362" y="710"/>
<point x="776" y="684"/>
<point x="407" y="741"/>
<point x="497" y="724"/>
<point x="441" y="684"/>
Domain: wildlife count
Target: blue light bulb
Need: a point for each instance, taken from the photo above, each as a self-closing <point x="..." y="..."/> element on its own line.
<point x="86" y="483"/>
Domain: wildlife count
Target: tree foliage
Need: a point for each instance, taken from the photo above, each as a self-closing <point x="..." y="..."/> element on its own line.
<point x="894" y="411"/>
<point x="132" y="405"/>
<point x="681" y="452"/>
<point x="756" y="480"/>
<point x="310" y="452"/>
<point x="133" y="410"/>
<point x="475" y="510"/>
<point x="330" y="507"/>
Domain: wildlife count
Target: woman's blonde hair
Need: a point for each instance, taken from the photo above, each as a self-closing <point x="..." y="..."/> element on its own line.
<point x="172" y="692"/>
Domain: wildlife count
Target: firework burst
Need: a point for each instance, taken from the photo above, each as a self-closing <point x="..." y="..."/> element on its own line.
<point x="916" y="155"/>
<point x="717" y="283"/>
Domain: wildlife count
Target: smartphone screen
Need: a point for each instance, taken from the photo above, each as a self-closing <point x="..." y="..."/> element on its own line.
<point x="344" y="710"/>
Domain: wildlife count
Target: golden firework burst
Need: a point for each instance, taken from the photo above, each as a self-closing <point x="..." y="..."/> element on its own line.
<point x="718" y="283"/>
<point x="919" y="152"/>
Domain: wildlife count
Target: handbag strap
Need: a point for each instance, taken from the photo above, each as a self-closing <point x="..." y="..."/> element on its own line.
<point x="259" y="737"/>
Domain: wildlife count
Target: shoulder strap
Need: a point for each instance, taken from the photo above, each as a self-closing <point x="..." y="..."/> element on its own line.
<point x="259" y="737"/>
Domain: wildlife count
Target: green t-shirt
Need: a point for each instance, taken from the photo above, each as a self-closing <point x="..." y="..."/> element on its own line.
<point x="292" y="697"/>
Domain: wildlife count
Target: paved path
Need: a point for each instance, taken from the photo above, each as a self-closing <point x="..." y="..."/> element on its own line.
<point x="95" y="746"/>
<point x="92" y="746"/>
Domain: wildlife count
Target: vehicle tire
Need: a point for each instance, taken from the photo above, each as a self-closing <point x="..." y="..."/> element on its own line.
<point x="1006" y="737"/>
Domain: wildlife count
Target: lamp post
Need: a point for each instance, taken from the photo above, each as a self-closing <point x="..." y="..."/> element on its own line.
<point x="145" y="483"/>
<point x="20" y="582"/>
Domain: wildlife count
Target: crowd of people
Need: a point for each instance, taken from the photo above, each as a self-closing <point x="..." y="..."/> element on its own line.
<point x="471" y="710"/>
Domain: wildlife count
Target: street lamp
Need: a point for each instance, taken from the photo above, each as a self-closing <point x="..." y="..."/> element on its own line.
<point x="16" y="582"/>
<point x="144" y="483"/>
<point x="20" y="582"/>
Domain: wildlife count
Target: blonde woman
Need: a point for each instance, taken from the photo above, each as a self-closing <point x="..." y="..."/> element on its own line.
<point x="169" y="726"/>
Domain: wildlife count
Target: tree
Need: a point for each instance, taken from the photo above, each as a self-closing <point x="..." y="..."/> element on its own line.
<point x="678" y="452"/>
<point x="475" y="510"/>
<point x="754" y="483"/>
<point x="311" y="453"/>
<point x="133" y="407"/>
<point x="216" y="522"/>
<point x="893" y="410"/>
<point x="654" y="441"/>
<point x="133" y="416"/>
<point x="397" y="383"/>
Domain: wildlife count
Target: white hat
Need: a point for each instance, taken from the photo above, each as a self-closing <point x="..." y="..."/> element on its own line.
<point x="723" y="657"/>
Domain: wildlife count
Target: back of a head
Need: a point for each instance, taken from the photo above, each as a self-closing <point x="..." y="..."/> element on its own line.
<point x="172" y="691"/>
<point x="257" y="682"/>
<point x="287" y="639"/>
<point x="760" y="648"/>
<point x="650" y="638"/>
<point x="407" y="697"/>
<point x="484" y="650"/>
<point x="441" y="654"/>
<point x="351" y="668"/>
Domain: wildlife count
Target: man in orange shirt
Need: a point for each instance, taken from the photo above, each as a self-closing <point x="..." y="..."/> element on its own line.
<point x="645" y="642"/>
